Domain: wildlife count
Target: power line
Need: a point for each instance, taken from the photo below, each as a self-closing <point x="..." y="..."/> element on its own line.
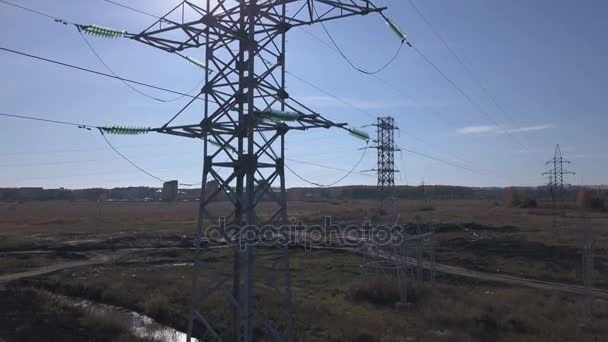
<point x="113" y="73"/>
<point x="59" y="20"/>
<point x="90" y="46"/>
<point x="465" y="95"/>
<point x="444" y="161"/>
<point x="65" y="22"/>
<point x="392" y="87"/>
<point x="79" y="125"/>
<point x="132" y="9"/>
<point x="114" y="76"/>
<point x="334" y="183"/>
<point x="387" y="84"/>
<point x="97" y="72"/>
<point x="351" y="105"/>
<point x="469" y="99"/>
<point x="309" y="83"/>
<point x="127" y="159"/>
<point x="329" y="94"/>
<point x="326" y="167"/>
<point x="90" y="127"/>
<point x="361" y="70"/>
<point x="458" y="59"/>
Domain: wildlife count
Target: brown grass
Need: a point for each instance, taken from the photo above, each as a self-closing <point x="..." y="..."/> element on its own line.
<point x="454" y="310"/>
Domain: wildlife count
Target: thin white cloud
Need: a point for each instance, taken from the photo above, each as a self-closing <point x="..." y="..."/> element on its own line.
<point x="493" y="129"/>
<point x="531" y="128"/>
<point x="477" y="129"/>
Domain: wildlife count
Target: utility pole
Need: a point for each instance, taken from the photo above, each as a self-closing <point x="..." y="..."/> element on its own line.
<point x="247" y="112"/>
<point x="386" y="147"/>
<point x="556" y="184"/>
<point x="587" y="246"/>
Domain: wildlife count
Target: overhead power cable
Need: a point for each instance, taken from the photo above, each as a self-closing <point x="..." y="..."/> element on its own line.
<point x="458" y="59"/>
<point x="299" y="77"/>
<point x="397" y="91"/>
<point x="59" y="20"/>
<point x="90" y="46"/>
<point x="96" y="30"/>
<point x="102" y="131"/>
<point x="113" y="73"/>
<point x="47" y="120"/>
<point x="329" y="94"/>
<point x="133" y="9"/>
<point x="129" y="160"/>
<point x="353" y="106"/>
<point x="444" y="161"/>
<point x="466" y="96"/>
<point x="326" y="167"/>
<point x="102" y="31"/>
<point x="98" y="73"/>
<point x="350" y="172"/>
<point x="105" y="129"/>
<point x="353" y="65"/>
<point x="359" y="69"/>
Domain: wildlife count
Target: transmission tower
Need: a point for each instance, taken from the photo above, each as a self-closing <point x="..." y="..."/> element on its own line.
<point x="556" y="184"/>
<point x="386" y="147"/>
<point x="556" y="174"/>
<point x="247" y="113"/>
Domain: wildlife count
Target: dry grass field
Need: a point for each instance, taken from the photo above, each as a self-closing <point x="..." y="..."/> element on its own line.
<point x="477" y="235"/>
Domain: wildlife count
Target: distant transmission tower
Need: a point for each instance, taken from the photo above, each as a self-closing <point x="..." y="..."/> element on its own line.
<point x="247" y="113"/>
<point x="556" y="184"/>
<point x="385" y="144"/>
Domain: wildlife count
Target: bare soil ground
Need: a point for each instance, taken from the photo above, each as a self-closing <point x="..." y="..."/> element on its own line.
<point x="477" y="235"/>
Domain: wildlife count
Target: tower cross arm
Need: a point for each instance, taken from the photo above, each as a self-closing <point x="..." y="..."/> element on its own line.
<point x="189" y="25"/>
<point x="308" y="12"/>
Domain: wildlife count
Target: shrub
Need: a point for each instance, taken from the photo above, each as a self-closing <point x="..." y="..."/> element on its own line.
<point x="380" y="290"/>
<point x="156" y="306"/>
<point x="426" y="207"/>
<point x="585" y="199"/>
<point x="512" y="197"/>
<point x="529" y="203"/>
<point x="597" y="204"/>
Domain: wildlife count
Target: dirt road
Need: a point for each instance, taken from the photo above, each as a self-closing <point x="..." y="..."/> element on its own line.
<point x="103" y="257"/>
<point x="95" y="258"/>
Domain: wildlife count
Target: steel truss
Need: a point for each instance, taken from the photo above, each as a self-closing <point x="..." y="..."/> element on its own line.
<point x="556" y="185"/>
<point x="385" y="144"/>
<point x="244" y="151"/>
<point x="386" y="260"/>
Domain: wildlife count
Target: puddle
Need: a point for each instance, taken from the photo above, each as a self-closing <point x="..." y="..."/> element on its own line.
<point x="141" y="326"/>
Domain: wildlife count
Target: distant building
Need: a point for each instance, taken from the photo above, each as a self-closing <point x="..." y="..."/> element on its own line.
<point x="169" y="193"/>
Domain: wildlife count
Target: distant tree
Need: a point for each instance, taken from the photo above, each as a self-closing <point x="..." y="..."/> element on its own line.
<point x="512" y="197"/>
<point x="587" y="199"/>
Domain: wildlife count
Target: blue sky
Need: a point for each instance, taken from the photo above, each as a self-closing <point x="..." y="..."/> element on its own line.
<point x="543" y="62"/>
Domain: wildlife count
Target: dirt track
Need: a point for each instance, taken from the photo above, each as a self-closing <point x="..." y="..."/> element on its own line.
<point x="103" y="257"/>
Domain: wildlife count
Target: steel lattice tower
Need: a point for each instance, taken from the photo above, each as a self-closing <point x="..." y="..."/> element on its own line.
<point x="556" y="174"/>
<point x="244" y="152"/>
<point x="385" y="144"/>
<point x="556" y="182"/>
